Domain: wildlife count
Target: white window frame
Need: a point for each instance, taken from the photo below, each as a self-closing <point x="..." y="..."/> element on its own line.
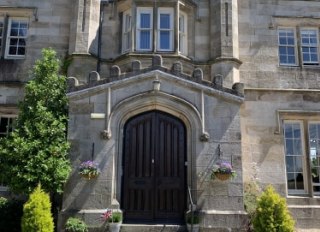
<point x="303" y="158"/>
<point x="183" y="33"/>
<point x="165" y="10"/>
<point x="144" y="10"/>
<point x="309" y="46"/>
<point x="294" y="46"/>
<point x="314" y="184"/>
<point x="126" y="31"/>
<point x="1" y="34"/>
<point x="9" y="38"/>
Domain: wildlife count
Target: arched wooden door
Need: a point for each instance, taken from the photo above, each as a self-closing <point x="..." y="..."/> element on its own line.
<point x="154" y="171"/>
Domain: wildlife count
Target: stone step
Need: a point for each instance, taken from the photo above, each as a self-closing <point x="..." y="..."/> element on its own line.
<point x="152" y="228"/>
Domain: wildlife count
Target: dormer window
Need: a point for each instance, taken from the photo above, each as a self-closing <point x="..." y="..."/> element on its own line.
<point x="153" y="30"/>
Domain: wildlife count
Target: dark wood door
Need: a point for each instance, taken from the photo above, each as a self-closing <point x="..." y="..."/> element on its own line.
<point x="154" y="172"/>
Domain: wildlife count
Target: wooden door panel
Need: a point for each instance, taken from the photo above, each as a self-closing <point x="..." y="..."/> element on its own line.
<point x="154" y="184"/>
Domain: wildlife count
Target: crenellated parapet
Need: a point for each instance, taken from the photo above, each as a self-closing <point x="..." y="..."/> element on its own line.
<point x="156" y="64"/>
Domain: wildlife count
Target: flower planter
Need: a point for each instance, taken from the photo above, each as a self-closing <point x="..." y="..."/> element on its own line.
<point x="195" y="227"/>
<point x="114" y="227"/>
<point x="89" y="176"/>
<point x="222" y="176"/>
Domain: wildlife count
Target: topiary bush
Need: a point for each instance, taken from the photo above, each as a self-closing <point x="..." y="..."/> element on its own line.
<point x="272" y="214"/>
<point x="10" y="214"/>
<point x="75" y="225"/>
<point x="37" y="215"/>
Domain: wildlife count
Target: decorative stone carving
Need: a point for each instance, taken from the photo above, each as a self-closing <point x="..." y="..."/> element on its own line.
<point x="156" y="85"/>
<point x="205" y="137"/>
<point x="156" y="61"/>
<point x="136" y="65"/>
<point x="72" y="82"/>
<point x="106" y="135"/>
<point x="218" y="80"/>
<point x="93" y="77"/>
<point x="239" y="88"/>
<point x="197" y="74"/>
<point x="176" y="67"/>
<point x="115" y="71"/>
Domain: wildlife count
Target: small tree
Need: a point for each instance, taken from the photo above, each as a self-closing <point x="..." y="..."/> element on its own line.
<point x="272" y="214"/>
<point x="36" y="152"/>
<point x="37" y="215"/>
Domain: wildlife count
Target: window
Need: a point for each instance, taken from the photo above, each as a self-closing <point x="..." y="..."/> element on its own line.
<point x="309" y="46"/>
<point x="16" y="38"/>
<point x="165" y="29"/>
<point x="144" y="29"/>
<point x="287" y="44"/>
<point x="1" y="33"/>
<point x="154" y="30"/>
<point x="126" y="36"/>
<point x="6" y="125"/>
<point x="302" y="158"/>
<point x="183" y="33"/>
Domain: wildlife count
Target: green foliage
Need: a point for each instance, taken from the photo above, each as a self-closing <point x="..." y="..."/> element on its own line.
<point x="10" y="214"/>
<point x="272" y="214"/>
<point x="36" y="152"/>
<point x="251" y="193"/>
<point x="76" y="225"/>
<point x="193" y="219"/>
<point x="115" y="217"/>
<point x="37" y="215"/>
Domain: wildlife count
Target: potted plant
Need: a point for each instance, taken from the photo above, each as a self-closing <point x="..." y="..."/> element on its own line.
<point x="75" y="225"/>
<point x="193" y="220"/>
<point x="112" y="219"/>
<point x="223" y="170"/>
<point x="89" y="169"/>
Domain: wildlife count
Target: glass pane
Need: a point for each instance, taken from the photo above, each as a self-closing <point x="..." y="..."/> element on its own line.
<point x="14" y="32"/>
<point x="164" y="21"/>
<point x="13" y="41"/>
<point x="291" y="41"/>
<point x="299" y="181"/>
<point x="282" y="50"/>
<point x="288" y="131"/>
<point x="23" y="32"/>
<point x="297" y="149"/>
<point x="12" y="50"/>
<point x="296" y="131"/>
<point x="291" y="60"/>
<point x="22" y="42"/>
<point x="289" y="147"/>
<point x="291" y="181"/>
<point x="21" y="51"/>
<point x="145" y="40"/>
<point x="181" y="23"/>
<point x="289" y="164"/>
<point x="145" y="20"/>
<point x="164" y="40"/>
<point x="290" y="51"/>
<point x="298" y="164"/>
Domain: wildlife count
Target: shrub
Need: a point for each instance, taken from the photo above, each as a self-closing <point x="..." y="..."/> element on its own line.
<point x="37" y="215"/>
<point x="76" y="225"/>
<point x="193" y="219"/>
<point x="272" y="214"/>
<point x="10" y="214"/>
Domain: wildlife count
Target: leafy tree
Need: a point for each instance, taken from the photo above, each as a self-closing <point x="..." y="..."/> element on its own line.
<point x="272" y="214"/>
<point x="36" y="151"/>
<point x="37" y="213"/>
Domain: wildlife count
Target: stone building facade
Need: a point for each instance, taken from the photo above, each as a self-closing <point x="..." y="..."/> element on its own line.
<point x="159" y="91"/>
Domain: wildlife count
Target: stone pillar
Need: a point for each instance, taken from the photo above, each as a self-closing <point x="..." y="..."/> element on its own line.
<point x="224" y="47"/>
<point x="84" y="27"/>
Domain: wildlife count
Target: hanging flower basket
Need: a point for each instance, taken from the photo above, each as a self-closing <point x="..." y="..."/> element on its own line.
<point x="223" y="170"/>
<point x="89" y="170"/>
<point x="222" y="176"/>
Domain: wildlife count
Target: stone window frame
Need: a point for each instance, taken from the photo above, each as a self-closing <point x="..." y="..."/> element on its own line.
<point x="304" y="118"/>
<point x="126" y="30"/>
<point x="183" y="33"/>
